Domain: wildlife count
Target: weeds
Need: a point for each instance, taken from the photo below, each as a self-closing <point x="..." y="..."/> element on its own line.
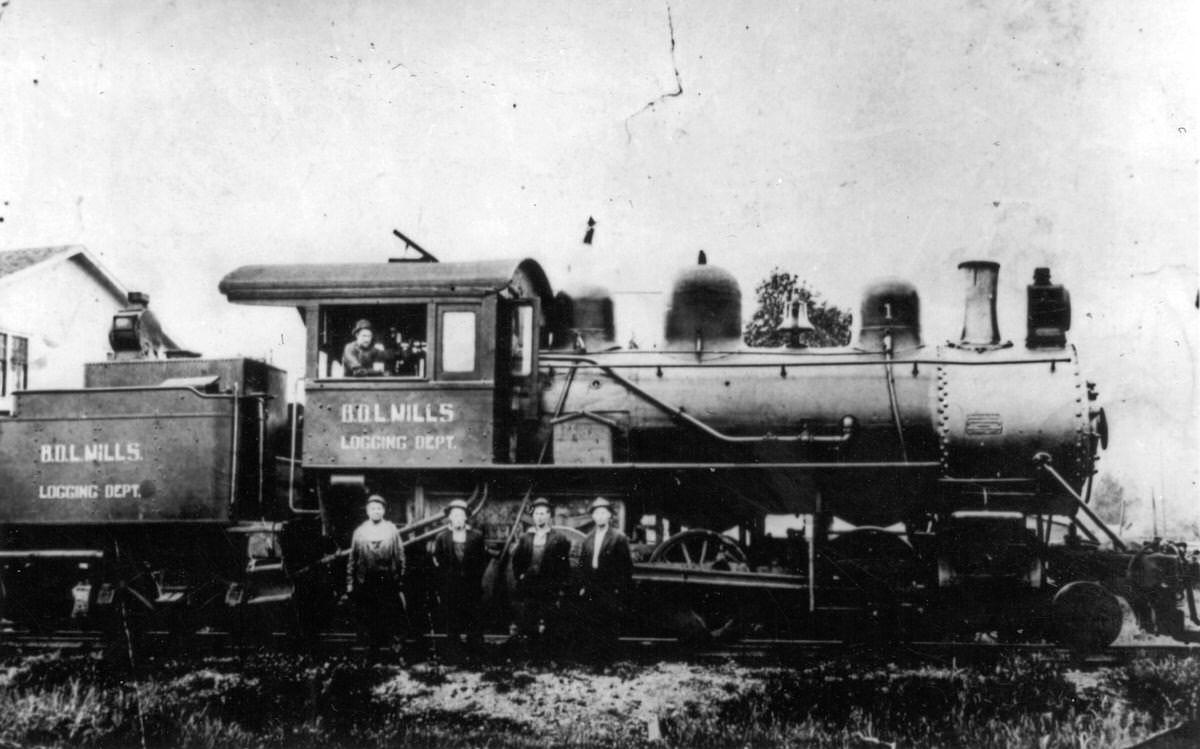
<point x="1164" y="690"/>
<point x="277" y="701"/>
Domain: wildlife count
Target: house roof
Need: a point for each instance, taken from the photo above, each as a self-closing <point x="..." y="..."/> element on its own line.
<point x="13" y="261"/>
<point x="17" y="264"/>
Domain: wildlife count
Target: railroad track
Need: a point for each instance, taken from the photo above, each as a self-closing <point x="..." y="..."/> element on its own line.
<point x="781" y="652"/>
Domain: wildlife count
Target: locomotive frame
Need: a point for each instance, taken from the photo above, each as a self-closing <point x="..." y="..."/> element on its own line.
<point x="496" y="390"/>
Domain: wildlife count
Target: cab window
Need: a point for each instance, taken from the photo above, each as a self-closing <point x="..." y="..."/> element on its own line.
<point x="378" y="340"/>
<point x="457" y="351"/>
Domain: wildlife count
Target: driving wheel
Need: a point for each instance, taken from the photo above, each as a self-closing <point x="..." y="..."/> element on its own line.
<point x="708" y="615"/>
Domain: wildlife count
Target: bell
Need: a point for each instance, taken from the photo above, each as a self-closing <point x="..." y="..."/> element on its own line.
<point x="797" y="320"/>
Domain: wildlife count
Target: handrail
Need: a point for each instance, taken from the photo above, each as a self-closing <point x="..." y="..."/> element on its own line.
<point x="292" y="461"/>
<point x="262" y="452"/>
<point x="545" y="359"/>
<point x="233" y="465"/>
<point x="889" y="375"/>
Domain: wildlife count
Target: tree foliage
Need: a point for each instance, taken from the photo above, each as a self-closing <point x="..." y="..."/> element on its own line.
<point x="832" y="325"/>
<point x="1109" y="503"/>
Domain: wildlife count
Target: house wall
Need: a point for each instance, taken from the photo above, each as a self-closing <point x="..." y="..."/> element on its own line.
<point x="65" y="311"/>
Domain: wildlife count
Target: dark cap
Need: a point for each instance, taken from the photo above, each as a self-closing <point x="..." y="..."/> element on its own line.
<point x="377" y="498"/>
<point x="599" y="502"/>
<point x="540" y="502"/>
<point x="363" y="324"/>
<point x="457" y="504"/>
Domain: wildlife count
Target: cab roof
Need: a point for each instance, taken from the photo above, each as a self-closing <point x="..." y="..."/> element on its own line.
<point x="294" y="285"/>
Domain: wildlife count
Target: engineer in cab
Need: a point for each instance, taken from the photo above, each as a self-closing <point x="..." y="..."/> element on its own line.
<point x="364" y="357"/>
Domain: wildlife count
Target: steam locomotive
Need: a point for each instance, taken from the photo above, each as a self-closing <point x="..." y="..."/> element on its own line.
<point x="886" y="487"/>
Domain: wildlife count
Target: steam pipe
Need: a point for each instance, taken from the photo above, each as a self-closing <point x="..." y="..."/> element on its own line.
<point x="849" y="423"/>
<point x="439" y="519"/>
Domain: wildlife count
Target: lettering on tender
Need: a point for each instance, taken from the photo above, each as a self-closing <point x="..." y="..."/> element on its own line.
<point x="91" y="452"/>
<point x="89" y="491"/>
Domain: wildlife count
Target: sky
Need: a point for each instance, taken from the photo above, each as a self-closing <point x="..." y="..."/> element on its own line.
<point x="842" y="141"/>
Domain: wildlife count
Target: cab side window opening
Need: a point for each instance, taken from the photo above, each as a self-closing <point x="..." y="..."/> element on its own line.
<point x="457" y="351"/>
<point x="394" y="346"/>
<point x="522" y="339"/>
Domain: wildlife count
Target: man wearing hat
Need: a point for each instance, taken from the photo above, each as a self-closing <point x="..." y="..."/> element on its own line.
<point x="362" y="357"/>
<point x="374" y="577"/>
<point x="606" y="572"/>
<point x="460" y="558"/>
<point x="541" y="563"/>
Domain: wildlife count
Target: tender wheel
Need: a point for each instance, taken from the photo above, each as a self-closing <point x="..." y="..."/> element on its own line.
<point x="699" y="549"/>
<point x="1085" y="616"/>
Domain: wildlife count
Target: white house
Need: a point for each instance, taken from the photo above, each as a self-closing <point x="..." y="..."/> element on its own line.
<point x="56" y="306"/>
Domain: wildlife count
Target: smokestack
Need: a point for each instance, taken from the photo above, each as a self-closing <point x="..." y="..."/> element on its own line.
<point x="979" y="322"/>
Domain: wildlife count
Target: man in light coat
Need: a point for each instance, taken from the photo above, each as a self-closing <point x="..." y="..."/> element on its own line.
<point x="374" y="578"/>
<point x="606" y="574"/>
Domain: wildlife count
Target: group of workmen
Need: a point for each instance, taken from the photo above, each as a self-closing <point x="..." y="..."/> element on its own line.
<point x="548" y="602"/>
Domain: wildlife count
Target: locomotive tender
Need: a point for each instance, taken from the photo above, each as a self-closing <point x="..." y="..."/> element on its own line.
<point x="943" y="488"/>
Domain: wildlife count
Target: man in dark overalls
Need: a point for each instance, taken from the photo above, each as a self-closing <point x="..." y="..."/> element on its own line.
<point x="541" y="564"/>
<point x="374" y="578"/>
<point x="460" y="558"/>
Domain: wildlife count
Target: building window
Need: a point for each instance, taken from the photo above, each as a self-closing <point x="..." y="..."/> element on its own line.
<point x="20" y="363"/>
<point x="14" y="363"/>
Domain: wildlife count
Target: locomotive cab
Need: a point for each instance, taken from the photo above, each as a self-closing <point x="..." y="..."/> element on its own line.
<point x="444" y="385"/>
<point x="443" y="381"/>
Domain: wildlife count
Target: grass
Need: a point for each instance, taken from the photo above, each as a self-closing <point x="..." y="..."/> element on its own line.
<point x="277" y="701"/>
